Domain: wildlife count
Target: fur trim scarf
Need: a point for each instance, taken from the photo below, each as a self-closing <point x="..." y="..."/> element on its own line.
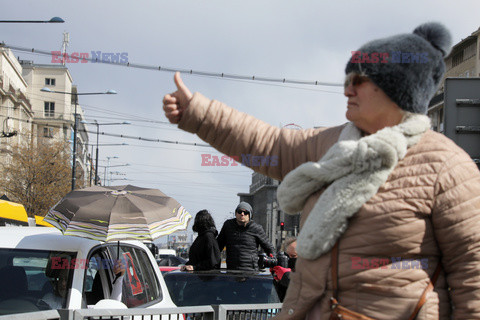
<point x="353" y="170"/>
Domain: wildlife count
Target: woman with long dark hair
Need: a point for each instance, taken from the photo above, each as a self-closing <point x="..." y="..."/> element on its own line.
<point x="204" y="253"/>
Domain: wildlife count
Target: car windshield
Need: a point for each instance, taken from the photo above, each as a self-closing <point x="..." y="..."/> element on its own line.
<point x="193" y="289"/>
<point x="34" y="280"/>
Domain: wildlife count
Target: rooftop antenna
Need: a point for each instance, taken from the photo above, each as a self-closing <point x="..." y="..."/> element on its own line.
<point x="66" y="40"/>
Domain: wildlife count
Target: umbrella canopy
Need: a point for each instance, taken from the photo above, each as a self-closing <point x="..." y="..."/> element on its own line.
<point x="110" y="213"/>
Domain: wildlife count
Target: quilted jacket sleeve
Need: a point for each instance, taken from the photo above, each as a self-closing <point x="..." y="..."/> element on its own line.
<point x="267" y="149"/>
<point x="456" y="219"/>
<point x="263" y="240"/>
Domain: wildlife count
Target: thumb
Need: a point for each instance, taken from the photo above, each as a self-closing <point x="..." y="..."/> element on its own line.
<point x="181" y="86"/>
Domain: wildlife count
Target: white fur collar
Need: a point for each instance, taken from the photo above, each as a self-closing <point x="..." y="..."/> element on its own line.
<point x="353" y="168"/>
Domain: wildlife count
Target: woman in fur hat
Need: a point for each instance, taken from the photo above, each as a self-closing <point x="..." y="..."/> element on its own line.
<point x="390" y="209"/>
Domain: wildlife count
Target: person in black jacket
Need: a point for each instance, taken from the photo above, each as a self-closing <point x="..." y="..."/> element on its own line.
<point x="204" y="253"/>
<point x="281" y="275"/>
<point x="242" y="236"/>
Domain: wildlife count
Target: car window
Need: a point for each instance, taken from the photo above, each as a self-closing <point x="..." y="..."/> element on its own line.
<point x="169" y="260"/>
<point x="98" y="277"/>
<point x="165" y="262"/>
<point x="176" y="261"/>
<point x="34" y="280"/>
<point x="141" y="285"/>
<point x="190" y="289"/>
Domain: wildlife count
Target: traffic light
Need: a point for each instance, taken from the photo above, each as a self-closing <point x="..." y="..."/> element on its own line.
<point x="282" y="226"/>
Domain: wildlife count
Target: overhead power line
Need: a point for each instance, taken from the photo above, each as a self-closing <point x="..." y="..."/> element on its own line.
<point x="221" y="75"/>
<point x="56" y="125"/>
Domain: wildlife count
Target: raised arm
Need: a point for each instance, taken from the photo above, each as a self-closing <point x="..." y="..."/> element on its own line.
<point x="267" y="149"/>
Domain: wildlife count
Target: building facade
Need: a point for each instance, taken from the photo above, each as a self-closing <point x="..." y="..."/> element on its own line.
<point x="54" y="113"/>
<point x="464" y="62"/>
<point x="16" y="111"/>
<point x="24" y="109"/>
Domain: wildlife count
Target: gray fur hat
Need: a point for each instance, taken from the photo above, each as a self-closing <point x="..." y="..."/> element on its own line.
<point x="407" y="67"/>
<point x="245" y="206"/>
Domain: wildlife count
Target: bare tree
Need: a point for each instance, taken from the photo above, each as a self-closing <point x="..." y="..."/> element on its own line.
<point x="37" y="175"/>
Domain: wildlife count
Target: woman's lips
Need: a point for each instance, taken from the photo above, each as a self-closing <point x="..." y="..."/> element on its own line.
<point x="351" y="104"/>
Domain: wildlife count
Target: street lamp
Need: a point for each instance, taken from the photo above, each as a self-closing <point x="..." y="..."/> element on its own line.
<point x="76" y="94"/>
<point x="96" y="153"/>
<point x="53" y="20"/>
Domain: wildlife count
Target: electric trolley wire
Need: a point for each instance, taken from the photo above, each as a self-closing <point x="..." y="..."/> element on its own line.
<point x="221" y="75"/>
<point x="52" y="125"/>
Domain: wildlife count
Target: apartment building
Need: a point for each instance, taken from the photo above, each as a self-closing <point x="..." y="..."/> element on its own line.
<point x="15" y="109"/>
<point x="464" y="62"/>
<point x="54" y="113"/>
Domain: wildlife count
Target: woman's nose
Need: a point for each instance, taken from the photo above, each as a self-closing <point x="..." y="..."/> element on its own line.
<point x="349" y="90"/>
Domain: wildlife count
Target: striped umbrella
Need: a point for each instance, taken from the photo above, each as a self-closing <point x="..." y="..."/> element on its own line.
<point x="111" y="213"/>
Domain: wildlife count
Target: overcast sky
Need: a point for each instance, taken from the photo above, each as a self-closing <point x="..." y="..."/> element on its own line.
<point x="301" y="40"/>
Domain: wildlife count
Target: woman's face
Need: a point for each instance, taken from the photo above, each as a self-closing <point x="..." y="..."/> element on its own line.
<point x="368" y="107"/>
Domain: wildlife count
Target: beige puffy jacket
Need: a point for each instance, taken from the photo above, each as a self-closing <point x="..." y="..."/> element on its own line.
<point x="428" y="209"/>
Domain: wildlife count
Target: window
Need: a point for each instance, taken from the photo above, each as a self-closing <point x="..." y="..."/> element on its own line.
<point x="190" y="289"/>
<point x="139" y="283"/>
<point x="48" y="132"/>
<point x="31" y="280"/>
<point x="457" y="59"/>
<point x="50" y="81"/>
<point x="49" y="109"/>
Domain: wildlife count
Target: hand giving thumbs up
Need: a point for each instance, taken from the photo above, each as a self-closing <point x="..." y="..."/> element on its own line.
<point x="174" y="104"/>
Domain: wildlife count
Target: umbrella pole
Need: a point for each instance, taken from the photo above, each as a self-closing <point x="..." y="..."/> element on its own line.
<point x="118" y="250"/>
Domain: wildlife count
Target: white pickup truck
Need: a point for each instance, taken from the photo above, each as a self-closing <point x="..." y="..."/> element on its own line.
<point x="31" y="259"/>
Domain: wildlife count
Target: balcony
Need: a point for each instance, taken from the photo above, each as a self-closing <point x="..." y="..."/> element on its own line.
<point x="17" y="96"/>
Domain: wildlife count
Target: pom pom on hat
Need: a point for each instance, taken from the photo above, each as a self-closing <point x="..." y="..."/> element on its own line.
<point x="414" y="65"/>
<point x="437" y="35"/>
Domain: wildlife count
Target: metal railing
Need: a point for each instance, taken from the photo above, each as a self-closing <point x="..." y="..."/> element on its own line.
<point x="216" y="312"/>
<point x="246" y="311"/>
<point x="198" y="312"/>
